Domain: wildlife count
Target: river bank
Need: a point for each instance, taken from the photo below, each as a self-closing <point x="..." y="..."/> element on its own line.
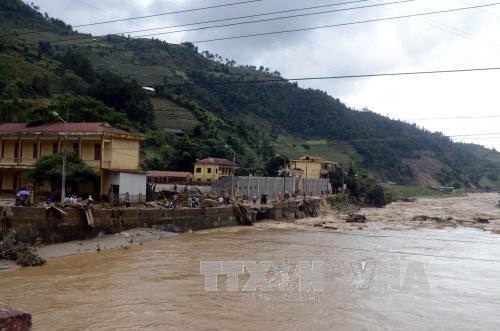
<point x="101" y="243"/>
<point x="478" y="211"/>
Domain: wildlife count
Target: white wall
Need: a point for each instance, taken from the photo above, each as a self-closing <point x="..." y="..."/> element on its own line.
<point x="134" y="184"/>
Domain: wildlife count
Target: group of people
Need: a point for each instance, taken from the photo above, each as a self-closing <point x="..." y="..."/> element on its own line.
<point x="73" y="199"/>
<point x="178" y="201"/>
<point x="23" y="198"/>
<point x="194" y="202"/>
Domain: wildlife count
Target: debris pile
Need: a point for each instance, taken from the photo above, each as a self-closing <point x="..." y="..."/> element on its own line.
<point x="307" y="208"/>
<point x="11" y="249"/>
<point x="210" y="203"/>
<point x="355" y="218"/>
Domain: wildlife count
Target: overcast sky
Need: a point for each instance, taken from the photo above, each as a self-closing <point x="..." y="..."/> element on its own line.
<point x="466" y="39"/>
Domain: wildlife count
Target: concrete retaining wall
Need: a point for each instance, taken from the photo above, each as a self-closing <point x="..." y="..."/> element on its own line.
<point x="32" y="224"/>
<point x="38" y="224"/>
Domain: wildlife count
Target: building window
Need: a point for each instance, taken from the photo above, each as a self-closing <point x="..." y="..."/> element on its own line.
<point x="97" y="152"/>
<point x="216" y="170"/>
<point x="16" y="152"/>
<point x="209" y="170"/>
<point x="209" y="180"/>
<point x="1" y="181"/>
<point x="35" y="150"/>
<point x="198" y="179"/>
<point x="198" y="170"/>
<point x="76" y="149"/>
<point x="15" y="179"/>
<point x="55" y="148"/>
<point x="3" y="149"/>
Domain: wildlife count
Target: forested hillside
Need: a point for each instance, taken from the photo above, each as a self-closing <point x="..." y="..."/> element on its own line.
<point x="45" y="65"/>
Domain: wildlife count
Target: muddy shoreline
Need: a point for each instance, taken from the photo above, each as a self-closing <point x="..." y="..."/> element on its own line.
<point x="101" y="243"/>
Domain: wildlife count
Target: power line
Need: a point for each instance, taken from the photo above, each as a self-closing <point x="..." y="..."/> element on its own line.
<point x="283" y="80"/>
<point x="336" y="142"/>
<point x="307" y="29"/>
<point x="169" y="13"/>
<point x="149" y="16"/>
<point x="348" y="23"/>
<point x="249" y="16"/>
<point x="390" y="74"/>
<point x="277" y="18"/>
<point x="245" y="16"/>
<point x="450" y="29"/>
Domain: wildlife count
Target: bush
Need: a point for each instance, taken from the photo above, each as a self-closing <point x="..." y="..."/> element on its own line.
<point x="11" y="249"/>
<point x="374" y="195"/>
<point x="339" y="201"/>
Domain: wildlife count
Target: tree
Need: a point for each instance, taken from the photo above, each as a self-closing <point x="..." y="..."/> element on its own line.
<point x="126" y="97"/>
<point x="79" y="64"/>
<point x="49" y="169"/>
<point x="80" y="109"/>
<point x="337" y="177"/>
<point x="41" y="85"/>
<point x="275" y="164"/>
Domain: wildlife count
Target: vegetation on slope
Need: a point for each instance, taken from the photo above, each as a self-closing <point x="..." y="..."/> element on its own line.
<point x="101" y="79"/>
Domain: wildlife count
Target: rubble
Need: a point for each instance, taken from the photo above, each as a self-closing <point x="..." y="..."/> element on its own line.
<point x="210" y="203"/>
<point x="481" y="220"/>
<point x="355" y="218"/>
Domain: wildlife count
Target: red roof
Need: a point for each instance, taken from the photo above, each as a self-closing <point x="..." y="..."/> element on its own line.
<point x="61" y="127"/>
<point x="217" y="161"/>
<point x="176" y="174"/>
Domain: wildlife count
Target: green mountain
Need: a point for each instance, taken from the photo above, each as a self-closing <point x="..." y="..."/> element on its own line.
<point x="46" y="65"/>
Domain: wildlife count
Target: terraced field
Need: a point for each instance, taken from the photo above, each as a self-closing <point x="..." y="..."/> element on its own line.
<point x="169" y="115"/>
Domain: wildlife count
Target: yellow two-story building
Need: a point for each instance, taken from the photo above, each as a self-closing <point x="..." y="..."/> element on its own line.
<point x="111" y="152"/>
<point x="211" y="169"/>
<point x="312" y="166"/>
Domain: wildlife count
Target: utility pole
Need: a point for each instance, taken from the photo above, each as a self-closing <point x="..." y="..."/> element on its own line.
<point x="234" y="163"/>
<point x="63" y="173"/>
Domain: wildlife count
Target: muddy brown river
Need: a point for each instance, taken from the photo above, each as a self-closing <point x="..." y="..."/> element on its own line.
<point x="384" y="279"/>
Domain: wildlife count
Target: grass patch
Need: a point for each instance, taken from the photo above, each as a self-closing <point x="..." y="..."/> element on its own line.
<point x="339" y="201"/>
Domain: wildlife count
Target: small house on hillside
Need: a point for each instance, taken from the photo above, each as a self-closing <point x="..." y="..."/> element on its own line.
<point x="211" y="169"/>
<point x="312" y="166"/>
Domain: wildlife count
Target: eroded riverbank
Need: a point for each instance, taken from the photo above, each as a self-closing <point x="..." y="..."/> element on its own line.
<point x="479" y="211"/>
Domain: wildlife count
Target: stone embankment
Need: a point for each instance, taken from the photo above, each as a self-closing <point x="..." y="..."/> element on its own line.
<point x="42" y="225"/>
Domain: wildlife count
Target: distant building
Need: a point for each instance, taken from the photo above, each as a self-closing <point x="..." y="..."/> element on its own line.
<point x="111" y="152"/>
<point x="167" y="177"/>
<point x="212" y="169"/>
<point x="313" y="166"/>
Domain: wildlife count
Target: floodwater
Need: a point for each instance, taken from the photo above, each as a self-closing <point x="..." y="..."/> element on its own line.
<point x="411" y="279"/>
<point x="158" y="286"/>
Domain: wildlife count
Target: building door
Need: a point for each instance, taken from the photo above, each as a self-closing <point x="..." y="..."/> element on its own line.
<point x="15" y="182"/>
<point x="115" y="191"/>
